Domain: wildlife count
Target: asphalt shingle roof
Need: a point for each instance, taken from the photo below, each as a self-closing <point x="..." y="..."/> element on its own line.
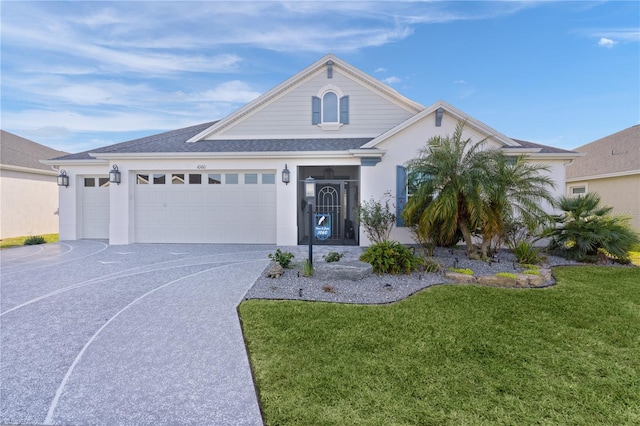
<point x="21" y="152"/>
<point x="543" y="148"/>
<point x="175" y="141"/>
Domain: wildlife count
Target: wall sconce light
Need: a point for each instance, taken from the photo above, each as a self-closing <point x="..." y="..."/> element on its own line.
<point x="114" y="175"/>
<point x="286" y="175"/>
<point x="63" y="179"/>
<point x="328" y="173"/>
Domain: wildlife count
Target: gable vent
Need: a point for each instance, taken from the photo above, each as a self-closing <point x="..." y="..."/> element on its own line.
<point x="329" y="69"/>
<point x="439" y="114"/>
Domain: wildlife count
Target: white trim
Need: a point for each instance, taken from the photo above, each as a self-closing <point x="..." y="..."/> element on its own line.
<point x="330" y="126"/>
<point x="96" y="162"/>
<point x="603" y="176"/>
<point x="28" y="170"/>
<point x="472" y="122"/>
<point x="570" y="189"/>
<point x="291" y="136"/>
<point x="331" y="88"/>
<point x="219" y="155"/>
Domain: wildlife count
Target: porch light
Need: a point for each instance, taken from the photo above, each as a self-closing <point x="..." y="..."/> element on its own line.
<point x="286" y="175"/>
<point x="328" y="173"/>
<point x="114" y="175"/>
<point x="63" y="179"/>
<point x="310" y="189"/>
<point x="310" y="195"/>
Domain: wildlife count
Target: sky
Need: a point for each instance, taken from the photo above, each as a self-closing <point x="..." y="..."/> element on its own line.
<point x="77" y="75"/>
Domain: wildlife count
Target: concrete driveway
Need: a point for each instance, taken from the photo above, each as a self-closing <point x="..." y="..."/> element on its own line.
<point x="126" y="335"/>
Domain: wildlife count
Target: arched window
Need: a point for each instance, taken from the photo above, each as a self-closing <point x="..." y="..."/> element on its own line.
<point x="330" y="108"/>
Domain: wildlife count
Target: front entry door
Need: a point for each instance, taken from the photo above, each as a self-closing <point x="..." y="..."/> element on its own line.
<point x="336" y="198"/>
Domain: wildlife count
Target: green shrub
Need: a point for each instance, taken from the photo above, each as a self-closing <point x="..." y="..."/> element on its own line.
<point x="333" y="256"/>
<point x="525" y="252"/>
<point x="34" y="239"/>
<point x="586" y="228"/>
<point x="283" y="258"/>
<point x="507" y="274"/>
<point x="391" y="257"/>
<point x="465" y="271"/>
<point x="431" y="265"/>
<point x="376" y="219"/>
<point x="307" y="268"/>
<point x="531" y="271"/>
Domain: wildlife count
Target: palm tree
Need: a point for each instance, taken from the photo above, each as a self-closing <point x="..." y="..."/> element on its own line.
<point x="586" y="227"/>
<point x="450" y="177"/>
<point x="516" y="191"/>
<point x="461" y="186"/>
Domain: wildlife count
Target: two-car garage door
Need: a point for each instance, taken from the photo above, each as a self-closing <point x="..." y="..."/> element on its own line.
<point x="207" y="207"/>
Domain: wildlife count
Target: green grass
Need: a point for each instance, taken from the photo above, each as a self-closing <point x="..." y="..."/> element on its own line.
<point x="19" y="241"/>
<point x="458" y="355"/>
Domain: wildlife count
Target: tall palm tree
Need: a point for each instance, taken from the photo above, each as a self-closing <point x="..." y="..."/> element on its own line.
<point x="450" y="174"/>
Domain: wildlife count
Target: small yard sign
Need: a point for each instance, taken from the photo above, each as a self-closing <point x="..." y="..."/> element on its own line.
<point x="323" y="226"/>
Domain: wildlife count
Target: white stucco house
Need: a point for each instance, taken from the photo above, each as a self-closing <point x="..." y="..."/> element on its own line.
<point x="222" y="181"/>
<point x="28" y="190"/>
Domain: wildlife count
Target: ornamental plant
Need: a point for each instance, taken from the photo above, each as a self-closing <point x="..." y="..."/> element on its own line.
<point x="391" y="257"/>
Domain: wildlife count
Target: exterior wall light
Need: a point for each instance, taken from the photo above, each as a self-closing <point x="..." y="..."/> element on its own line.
<point x="114" y="175"/>
<point x="286" y="175"/>
<point x="63" y="179"/>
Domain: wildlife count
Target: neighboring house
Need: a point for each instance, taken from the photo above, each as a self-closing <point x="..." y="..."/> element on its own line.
<point x="28" y="190"/>
<point x="611" y="167"/>
<point x="222" y="182"/>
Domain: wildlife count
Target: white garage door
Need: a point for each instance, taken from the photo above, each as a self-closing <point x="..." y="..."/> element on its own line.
<point x="95" y="207"/>
<point x="213" y="207"/>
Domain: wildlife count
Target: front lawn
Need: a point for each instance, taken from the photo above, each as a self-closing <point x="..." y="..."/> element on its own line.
<point x="455" y="355"/>
<point x="19" y="241"/>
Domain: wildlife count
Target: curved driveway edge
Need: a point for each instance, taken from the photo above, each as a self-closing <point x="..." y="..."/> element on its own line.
<point x="138" y="334"/>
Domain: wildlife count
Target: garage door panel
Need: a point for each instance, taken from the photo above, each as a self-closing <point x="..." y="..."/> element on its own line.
<point x="95" y="209"/>
<point x="204" y="213"/>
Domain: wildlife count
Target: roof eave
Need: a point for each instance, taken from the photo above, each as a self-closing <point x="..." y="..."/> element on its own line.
<point x="240" y="155"/>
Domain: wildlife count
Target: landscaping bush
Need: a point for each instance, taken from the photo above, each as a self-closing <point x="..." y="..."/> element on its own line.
<point x="376" y="219"/>
<point x="465" y="271"/>
<point x="525" y="252"/>
<point x="431" y="265"/>
<point x="586" y="229"/>
<point x="283" y="258"/>
<point x="391" y="257"/>
<point x="34" y="240"/>
<point x="333" y="256"/>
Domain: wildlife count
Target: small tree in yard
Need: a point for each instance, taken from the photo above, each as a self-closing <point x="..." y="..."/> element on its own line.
<point x="585" y="228"/>
<point x="376" y="219"/>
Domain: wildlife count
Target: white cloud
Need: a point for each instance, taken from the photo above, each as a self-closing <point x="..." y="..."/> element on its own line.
<point x="606" y="42"/>
<point x="392" y="80"/>
<point x="380" y="69"/>
<point x="459" y="82"/>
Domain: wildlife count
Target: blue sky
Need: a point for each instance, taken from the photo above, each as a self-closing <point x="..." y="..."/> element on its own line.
<point x="79" y="75"/>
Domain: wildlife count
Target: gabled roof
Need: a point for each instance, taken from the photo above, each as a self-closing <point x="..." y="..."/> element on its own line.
<point x="511" y="146"/>
<point x="171" y="141"/>
<point x="298" y="79"/>
<point x="451" y="110"/>
<point x="542" y="149"/>
<point x="618" y="153"/>
<point x="174" y="142"/>
<point x="19" y="153"/>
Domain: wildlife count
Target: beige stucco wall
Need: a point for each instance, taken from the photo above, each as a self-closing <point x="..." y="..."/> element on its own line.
<point x="28" y="203"/>
<point x="622" y="193"/>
